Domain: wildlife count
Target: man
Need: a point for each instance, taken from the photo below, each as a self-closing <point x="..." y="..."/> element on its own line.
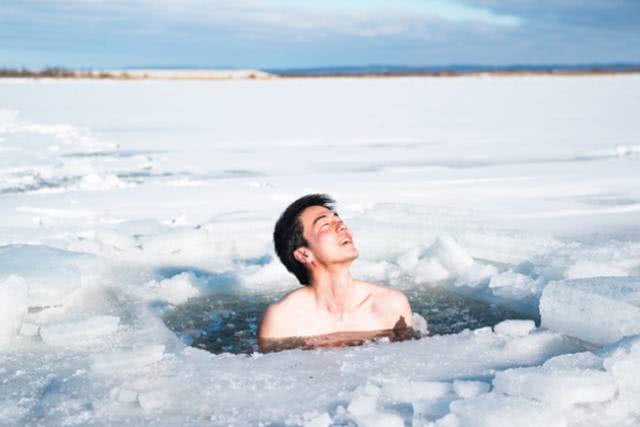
<point x="316" y="246"/>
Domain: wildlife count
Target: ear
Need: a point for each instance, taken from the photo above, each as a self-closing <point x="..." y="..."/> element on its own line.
<point x="302" y="255"/>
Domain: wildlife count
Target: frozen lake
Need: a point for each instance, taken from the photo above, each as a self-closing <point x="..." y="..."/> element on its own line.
<point x="128" y="204"/>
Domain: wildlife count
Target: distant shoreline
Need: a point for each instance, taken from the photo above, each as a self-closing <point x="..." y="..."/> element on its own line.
<point x="437" y="74"/>
<point x="364" y="72"/>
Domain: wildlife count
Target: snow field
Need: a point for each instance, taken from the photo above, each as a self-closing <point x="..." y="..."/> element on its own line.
<point x="528" y="196"/>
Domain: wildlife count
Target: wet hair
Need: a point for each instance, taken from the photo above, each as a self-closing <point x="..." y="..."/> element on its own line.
<point x="287" y="235"/>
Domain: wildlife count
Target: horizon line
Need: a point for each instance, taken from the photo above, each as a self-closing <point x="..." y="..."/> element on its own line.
<point x="378" y="67"/>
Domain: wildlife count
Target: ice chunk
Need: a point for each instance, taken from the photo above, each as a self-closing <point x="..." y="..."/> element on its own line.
<point x="323" y="420"/>
<point x="419" y="324"/>
<point x="428" y="398"/>
<point x="495" y="410"/>
<point x="583" y="360"/>
<point x="364" y="400"/>
<point x="96" y="182"/>
<point x="154" y="400"/>
<point x="127" y="360"/>
<point x="13" y="307"/>
<point x="52" y="274"/>
<point x="381" y="419"/>
<point x="175" y="290"/>
<point x="468" y="389"/>
<point x="556" y="386"/>
<point x="515" y="328"/>
<point x="513" y="285"/>
<point x="79" y="332"/>
<point x="450" y="254"/>
<point x="624" y="364"/>
<point x="448" y="420"/>
<point x="124" y="395"/>
<point x="590" y="268"/>
<point x="364" y="410"/>
<point x="29" y="329"/>
<point x="409" y="391"/>
<point x="598" y="310"/>
<point x="444" y="259"/>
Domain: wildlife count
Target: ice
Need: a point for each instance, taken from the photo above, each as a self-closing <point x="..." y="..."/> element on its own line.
<point x="13" y="307"/>
<point x="51" y="275"/>
<point x="555" y="386"/>
<point x="512" y="285"/>
<point x="175" y="290"/>
<point x="515" y="328"/>
<point x="124" y="395"/>
<point x="79" y="332"/>
<point x="118" y="207"/>
<point x="323" y="420"/>
<point x="419" y="324"/>
<point x="495" y="410"/>
<point x="100" y="182"/>
<point x="29" y="329"/>
<point x="124" y="360"/>
<point x="468" y="389"/>
<point x="415" y="390"/>
<point x="444" y="259"/>
<point x="364" y="409"/>
<point x="599" y="310"/>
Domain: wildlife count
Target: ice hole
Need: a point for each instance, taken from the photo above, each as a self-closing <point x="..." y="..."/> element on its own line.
<point x="228" y="322"/>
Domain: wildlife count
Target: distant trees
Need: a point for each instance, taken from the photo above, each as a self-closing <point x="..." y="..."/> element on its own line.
<point x="60" y="73"/>
<point x="50" y="72"/>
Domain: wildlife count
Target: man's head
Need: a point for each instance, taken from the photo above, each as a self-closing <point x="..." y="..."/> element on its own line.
<point x="309" y="233"/>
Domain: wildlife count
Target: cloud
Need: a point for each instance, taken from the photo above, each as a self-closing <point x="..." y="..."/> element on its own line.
<point x="285" y="33"/>
<point x="369" y="18"/>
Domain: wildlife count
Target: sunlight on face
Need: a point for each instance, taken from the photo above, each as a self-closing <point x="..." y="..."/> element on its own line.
<point x="328" y="237"/>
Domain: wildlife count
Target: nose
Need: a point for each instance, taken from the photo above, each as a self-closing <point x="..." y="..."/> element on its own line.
<point x="341" y="225"/>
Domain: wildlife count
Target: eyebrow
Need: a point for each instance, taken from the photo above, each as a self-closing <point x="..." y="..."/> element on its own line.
<point x="322" y="216"/>
<point x="318" y="219"/>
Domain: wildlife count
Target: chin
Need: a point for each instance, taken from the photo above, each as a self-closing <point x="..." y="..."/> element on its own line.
<point x="354" y="255"/>
<point x="348" y="257"/>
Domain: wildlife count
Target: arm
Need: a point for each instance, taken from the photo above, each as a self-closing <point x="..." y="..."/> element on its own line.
<point x="267" y="328"/>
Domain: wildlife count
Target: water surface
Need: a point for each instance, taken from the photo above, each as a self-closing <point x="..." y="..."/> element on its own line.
<point x="228" y="322"/>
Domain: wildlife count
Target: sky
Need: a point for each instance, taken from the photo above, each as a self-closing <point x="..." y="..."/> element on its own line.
<point x="280" y="34"/>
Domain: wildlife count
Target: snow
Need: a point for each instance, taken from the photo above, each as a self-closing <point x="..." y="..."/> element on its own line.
<point x="117" y="207"/>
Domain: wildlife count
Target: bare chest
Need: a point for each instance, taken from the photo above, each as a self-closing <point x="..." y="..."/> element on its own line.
<point x="368" y="317"/>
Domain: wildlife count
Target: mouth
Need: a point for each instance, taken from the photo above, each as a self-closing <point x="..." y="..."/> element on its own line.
<point x="345" y="242"/>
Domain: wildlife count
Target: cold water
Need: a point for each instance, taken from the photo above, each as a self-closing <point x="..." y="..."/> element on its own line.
<point x="228" y="322"/>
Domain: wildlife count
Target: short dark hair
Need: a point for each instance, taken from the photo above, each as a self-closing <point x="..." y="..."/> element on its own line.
<point x="287" y="235"/>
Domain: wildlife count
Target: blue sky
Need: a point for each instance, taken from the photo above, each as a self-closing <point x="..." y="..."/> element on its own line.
<point x="307" y="33"/>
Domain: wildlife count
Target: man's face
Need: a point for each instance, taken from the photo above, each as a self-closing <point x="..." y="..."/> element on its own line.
<point x="328" y="238"/>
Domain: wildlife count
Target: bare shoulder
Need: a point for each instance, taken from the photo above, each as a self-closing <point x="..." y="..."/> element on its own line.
<point x="280" y="318"/>
<point x="390" y="302"/>
<point x="390" y="295"/>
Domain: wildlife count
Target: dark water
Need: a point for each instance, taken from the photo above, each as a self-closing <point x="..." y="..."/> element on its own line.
<point x="228" y="322"/>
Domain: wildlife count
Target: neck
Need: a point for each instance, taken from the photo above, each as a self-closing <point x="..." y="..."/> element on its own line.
<point x="333" y="288"/>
